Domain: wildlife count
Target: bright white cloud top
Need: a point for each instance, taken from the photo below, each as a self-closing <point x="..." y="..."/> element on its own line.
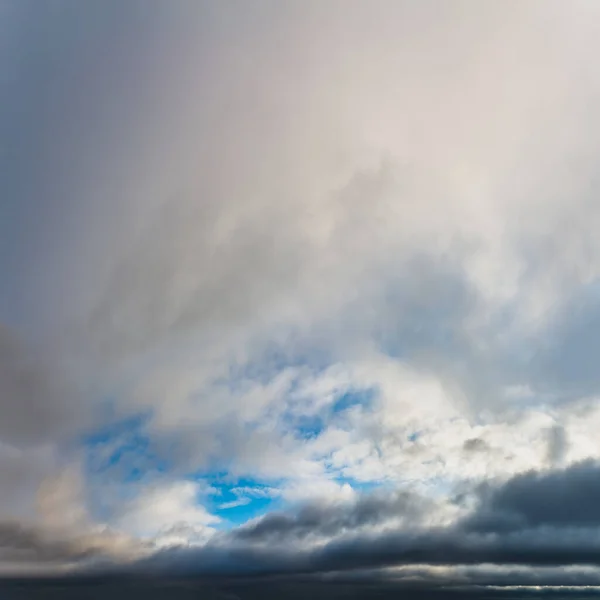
<point x="264" y="256"/>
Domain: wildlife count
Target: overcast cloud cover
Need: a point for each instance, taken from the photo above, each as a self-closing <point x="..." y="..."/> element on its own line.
<point x="301" y="288"/>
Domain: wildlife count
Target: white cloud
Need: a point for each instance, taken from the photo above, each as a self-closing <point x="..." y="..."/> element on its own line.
<point x="322" y="489"/>
<point x="167" y="513"/>
<point x="235" y="503"/>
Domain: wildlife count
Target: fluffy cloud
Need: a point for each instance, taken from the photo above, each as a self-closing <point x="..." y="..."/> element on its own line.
<point x="167" y="514"/>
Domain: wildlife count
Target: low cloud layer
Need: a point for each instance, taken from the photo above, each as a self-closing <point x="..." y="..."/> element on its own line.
<point x="533" y="520"/>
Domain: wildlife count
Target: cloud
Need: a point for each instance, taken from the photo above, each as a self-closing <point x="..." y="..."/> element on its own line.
<point x="235" y="503"/>
<point x="37" y="405"/>
<point x="475" y="445"/>
<point x="537" y="519"/>
<point x="314" y="249"/>
<point x="558" y="444"/>
<point x="331" y="519"/>
<point x="56" y="530"/>
<point x="29" y="547"/>
<point x="28" y="544"/>
<point x="562" y="498"/>
<point x="167" y="513"/>
<point x="40" y="414"/>
<point x="353" y="549"/>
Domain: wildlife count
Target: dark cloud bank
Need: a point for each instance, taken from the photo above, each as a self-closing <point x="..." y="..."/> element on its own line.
<point x="535" y="529"/>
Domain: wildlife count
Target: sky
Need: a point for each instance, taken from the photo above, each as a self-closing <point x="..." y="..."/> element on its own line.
<point x="301" y="289"/>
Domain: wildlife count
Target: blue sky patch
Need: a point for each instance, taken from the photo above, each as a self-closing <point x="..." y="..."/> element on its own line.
<point x="124" y="448"/>
<point x="353" y="398"/>
<point x="414" y="436"/>
<point x="236" y="501"/>
<point x="307" y="427"/>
